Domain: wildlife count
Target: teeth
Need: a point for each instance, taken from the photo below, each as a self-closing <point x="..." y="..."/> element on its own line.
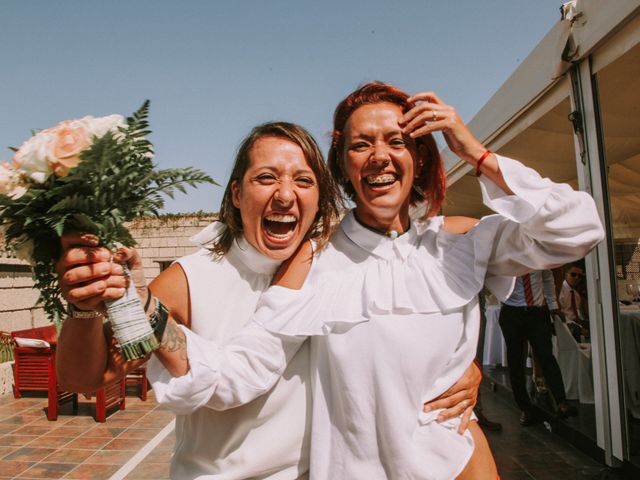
<point x="381" y="179"/>
<point x="280" y="236"/>
<point x="281" y="218"/>
<point x="280" y="226"/>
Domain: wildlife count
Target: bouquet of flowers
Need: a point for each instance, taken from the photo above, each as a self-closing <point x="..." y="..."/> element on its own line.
<point x="90" y="175"/>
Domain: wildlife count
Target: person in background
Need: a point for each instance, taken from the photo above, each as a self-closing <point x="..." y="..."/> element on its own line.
<point x="571" y="301"/>
<point x="525" y="316"/>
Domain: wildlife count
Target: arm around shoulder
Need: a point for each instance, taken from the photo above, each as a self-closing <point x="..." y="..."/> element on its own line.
<point x="459" y="225"/>
<point x="293" y="272"/>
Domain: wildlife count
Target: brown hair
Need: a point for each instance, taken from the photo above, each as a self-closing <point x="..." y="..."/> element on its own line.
<point x="430" y="183"/>
<point x="329" y="198"/>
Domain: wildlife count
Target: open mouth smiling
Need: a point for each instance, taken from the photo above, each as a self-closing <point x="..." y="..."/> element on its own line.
<point x="381" y="179"/>
<point x="280" y="227"/>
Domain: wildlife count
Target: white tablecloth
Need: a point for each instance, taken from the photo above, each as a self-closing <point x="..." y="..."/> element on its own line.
<point x="630" y="344"/>
<point x="495" y="350"/>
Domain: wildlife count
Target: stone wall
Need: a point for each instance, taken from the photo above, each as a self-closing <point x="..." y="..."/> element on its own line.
<point x="18" y="298"/>
<point x="162" y="240"/>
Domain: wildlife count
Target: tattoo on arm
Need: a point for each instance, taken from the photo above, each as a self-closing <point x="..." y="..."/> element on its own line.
<point x="174" y="340"/>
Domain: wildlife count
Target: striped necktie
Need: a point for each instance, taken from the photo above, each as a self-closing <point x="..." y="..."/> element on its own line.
<point x="574" y="307"/>
<point x="528" y="292"/>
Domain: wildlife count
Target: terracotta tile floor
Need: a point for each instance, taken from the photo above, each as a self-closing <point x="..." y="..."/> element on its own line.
<point x="76" y="446"/>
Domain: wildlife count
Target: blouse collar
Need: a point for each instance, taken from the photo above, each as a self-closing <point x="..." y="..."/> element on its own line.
<point x="252" y="258"/>
<point x="377" y="243"/>
<point x="240" y="249"/>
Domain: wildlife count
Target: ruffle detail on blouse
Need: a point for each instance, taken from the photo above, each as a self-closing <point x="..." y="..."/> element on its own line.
<point x="531" y="191"/>
<point x="443" y="272"/>
<point x="288" y="312"/>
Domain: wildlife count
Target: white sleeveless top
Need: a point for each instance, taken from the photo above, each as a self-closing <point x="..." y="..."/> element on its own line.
<point x="267" y="438"/>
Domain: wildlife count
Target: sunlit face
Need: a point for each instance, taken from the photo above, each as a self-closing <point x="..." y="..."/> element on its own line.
<point x="380" y="163"/>
<point x="278" y="197"/>
<point x="574" y="276"/>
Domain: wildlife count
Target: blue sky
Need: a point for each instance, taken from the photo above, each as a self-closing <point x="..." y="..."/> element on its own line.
<point x="214" y="69"/>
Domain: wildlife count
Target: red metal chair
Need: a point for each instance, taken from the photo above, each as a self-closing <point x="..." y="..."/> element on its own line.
<point x="35" y="370"/>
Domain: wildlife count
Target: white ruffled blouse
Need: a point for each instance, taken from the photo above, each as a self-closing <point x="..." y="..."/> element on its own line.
<point x="393" y="323"/>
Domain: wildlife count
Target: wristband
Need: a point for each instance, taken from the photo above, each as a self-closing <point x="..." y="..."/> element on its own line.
<point x="82" y="314"/>
<point x="158" y="320"/>
<point x="479" y="162"/>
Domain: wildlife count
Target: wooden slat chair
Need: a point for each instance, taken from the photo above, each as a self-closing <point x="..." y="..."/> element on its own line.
<point x="138" y="377"/>
<point x="109" y="396"/>
<point x="35" y="370"/>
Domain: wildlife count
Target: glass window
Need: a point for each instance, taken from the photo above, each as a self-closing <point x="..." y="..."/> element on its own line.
<point x="619" y="95"/>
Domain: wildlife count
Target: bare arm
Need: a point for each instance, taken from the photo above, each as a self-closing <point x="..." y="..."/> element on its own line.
<point x="172" y="289"/>
<point x="293" y="271"/>
<point x="87" y="357"/>
<point x="459" y="225"/>
<point x="81" y="357"/>
<point x="87" y="278"/>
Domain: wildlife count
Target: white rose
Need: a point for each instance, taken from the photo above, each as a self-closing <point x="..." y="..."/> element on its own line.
<point x="33" y="156"/>
<point x="98" y="127"/>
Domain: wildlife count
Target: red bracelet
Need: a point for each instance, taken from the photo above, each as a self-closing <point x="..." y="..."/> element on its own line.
<point x="479" y="163"/>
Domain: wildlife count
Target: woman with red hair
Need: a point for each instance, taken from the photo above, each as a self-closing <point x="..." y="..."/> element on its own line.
<point x="390" y="303"/>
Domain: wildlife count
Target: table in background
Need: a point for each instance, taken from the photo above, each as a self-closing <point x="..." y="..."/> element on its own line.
<point x="495" y="349"/>
<point x="630" y="340"/>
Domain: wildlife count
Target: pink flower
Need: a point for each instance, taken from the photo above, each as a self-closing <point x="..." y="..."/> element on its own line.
<point x="57" y="150"/>
<point x="66" y="144"/>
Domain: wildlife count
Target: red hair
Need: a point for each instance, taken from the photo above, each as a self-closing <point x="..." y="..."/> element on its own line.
<point x="430" y="183"/>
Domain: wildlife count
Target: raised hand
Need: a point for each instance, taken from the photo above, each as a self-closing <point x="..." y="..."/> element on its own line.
<point x="430" y="114"/>
<point x="88" y="274"/>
